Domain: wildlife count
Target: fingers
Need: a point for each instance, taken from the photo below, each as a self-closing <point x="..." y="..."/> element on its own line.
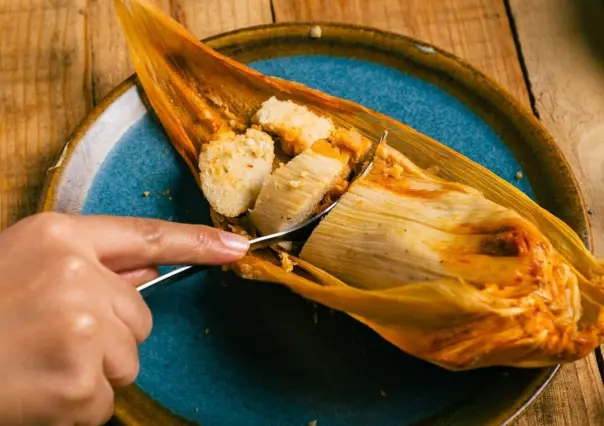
<point x="69" y="326"/>
<point x="129" y="306"/>
<point x="127" y="243"/>
<point x="139" y="276"/>
<point x="120" y="363"/>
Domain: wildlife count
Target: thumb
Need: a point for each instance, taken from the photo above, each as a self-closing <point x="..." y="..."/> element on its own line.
<point x="128" y="243"/>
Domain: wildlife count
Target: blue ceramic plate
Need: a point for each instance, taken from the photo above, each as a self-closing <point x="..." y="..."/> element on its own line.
<point x="229" y="352"/>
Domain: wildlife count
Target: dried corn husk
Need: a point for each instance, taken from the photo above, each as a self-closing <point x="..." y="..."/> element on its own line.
<point x="462" y="270"/>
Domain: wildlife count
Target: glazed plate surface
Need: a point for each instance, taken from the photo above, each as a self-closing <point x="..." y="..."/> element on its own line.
<point x="229" y="352"/>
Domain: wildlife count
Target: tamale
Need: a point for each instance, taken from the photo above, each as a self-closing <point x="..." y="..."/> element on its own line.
<point x="462" y="270"/>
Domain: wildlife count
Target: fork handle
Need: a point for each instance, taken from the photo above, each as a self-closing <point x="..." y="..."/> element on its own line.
<point x="170" y="278"/>
<point x="186" y="271"/>
<point x="299" y="233"/>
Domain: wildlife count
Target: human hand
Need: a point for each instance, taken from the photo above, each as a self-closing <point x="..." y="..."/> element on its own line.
<point x="70" y="315"/>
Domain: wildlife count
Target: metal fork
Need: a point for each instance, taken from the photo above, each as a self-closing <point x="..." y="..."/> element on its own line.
<point x="297" y="233"/>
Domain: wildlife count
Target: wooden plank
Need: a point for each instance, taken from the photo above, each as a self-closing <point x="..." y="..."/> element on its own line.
<point x="110" y="63"/>
<point x="563" y="48"/>
<point x="109" y="54"/>
<point x="210" y="17"/>
<point x="44" y="93"/>
<point x="476" y="30"/>
<point x="573" y="398"/>
<point x="479" y="32"/>
<point x="563" y="51"/>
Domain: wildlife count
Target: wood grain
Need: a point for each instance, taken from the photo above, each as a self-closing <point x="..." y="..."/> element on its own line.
<point x="210" y="17"/>
<point x="563" y="51"/>
<point x="573" y="398"/>
<point x="44" y="92"/>
<point x="109" y="54"/>
<point x="110" y="62"/>
<point x="479" y="32"/>
<point x="476" y="30"/>
<point x="563" y="47"/>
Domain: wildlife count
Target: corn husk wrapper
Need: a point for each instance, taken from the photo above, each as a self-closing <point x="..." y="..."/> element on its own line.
<point x="463" y="270"/>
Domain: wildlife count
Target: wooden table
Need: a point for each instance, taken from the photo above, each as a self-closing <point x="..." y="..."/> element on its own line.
<point x="58" y="58"/>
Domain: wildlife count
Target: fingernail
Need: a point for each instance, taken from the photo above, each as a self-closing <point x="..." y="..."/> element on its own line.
<point x="234" y="242"/>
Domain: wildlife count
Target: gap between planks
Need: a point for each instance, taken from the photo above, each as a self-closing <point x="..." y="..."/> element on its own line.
<point x="43" y="95"/>
<point x="568" y="83"/>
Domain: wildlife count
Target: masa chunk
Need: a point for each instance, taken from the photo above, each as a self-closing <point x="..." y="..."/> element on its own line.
<point x="293" y="192"/>
<point x="233" y="168"/>
<point x="297" y="127"/>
